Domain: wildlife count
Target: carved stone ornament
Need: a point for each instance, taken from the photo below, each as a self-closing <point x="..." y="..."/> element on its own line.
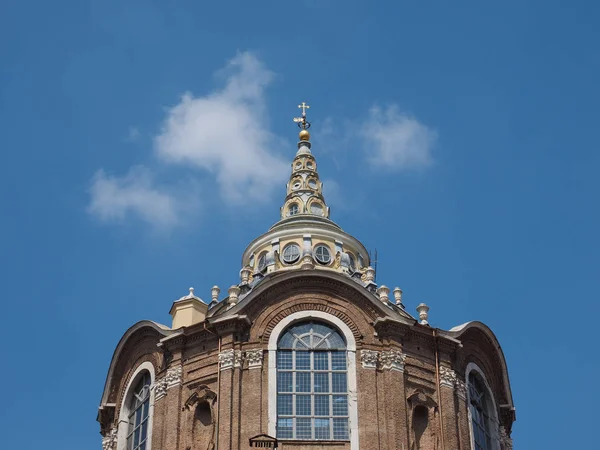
<point x="109" y="441"/>
<point x="447" y="377"/>
<point x="393" y="360"/>
<point x="505" y="440"/>
<point x="171" y="379"/>
<point x="461" y="389"/>
<point x="369" y="359"/>
<point x="229" y="359"/>
<point x="255" y="358"/>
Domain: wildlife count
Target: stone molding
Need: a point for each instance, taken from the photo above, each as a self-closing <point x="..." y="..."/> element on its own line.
<point x="369" y="359"/>
<point x="461" y="389"/>
<point x="505" y="440"/>
<point x="229" y="359"/>
<point x="385" y="360"/>
<point x="447" y="377"/>
<point x="171" y="379"/>
<point x="109" y="441"/>
<point x="393" y="360"/>
<point x="255" y="358"/>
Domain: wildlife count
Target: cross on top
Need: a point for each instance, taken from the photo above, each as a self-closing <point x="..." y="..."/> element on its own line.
<point x="303" y="107"/>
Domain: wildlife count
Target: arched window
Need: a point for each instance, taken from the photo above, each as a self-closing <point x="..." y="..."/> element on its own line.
<point x="139" y="408"/>
<point x="312" y="383"/>
<point x="480" y="409"/>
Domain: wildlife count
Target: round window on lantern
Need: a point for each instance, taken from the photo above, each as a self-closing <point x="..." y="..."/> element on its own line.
<point x="291" y="253"/>
<point x="322" y="254"/>
<point x="293" y="209"/>
<point x="312" y="183"/>
<point x="309" y="164"/>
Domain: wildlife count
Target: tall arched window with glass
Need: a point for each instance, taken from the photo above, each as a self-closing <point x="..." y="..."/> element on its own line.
<point x="137" y="434"/>
<point x="480" y="413"/>
<point x="312" y="383"/>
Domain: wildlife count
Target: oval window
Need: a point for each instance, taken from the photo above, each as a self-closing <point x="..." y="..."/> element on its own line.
<point x="322" y="254"/>
<point x="312" y="183"/>
<point x="262" y="262"/>
<point x="309" y="164"/>
<point x="291" y="253"/>
<point x="316" y="208"/>
<point x="352" y="262"/>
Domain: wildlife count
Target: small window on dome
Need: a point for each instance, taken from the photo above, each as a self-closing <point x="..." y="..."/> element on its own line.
<point x="352" y="262"/>
<point x="291" y="253"/>
<point x="297" y="185"/>
<point x="298" y="165"/>
<point x="262" y="262"/>
<point x="316" y="208"/>
<point x="309" y="164"/>
<point x="322" y="254"/>
<point x="312" y="183"/>
<point x="293" y="209"/>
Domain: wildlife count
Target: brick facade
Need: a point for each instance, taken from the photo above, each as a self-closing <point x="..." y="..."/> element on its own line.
<point x="212" y="379"/>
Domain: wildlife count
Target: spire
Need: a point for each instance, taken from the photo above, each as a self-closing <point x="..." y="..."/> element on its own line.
<point x="304" y="190"/>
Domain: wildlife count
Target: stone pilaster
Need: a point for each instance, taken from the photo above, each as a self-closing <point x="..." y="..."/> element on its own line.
<point x="252" y="395"/>
<point x="392" y="366"/>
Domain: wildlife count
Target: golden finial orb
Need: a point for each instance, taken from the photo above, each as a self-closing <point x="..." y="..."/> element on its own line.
<point x="304" y="135"/>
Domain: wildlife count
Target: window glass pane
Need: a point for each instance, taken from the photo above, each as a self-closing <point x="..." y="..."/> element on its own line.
<point x="321" y="405"/>
<point x="340" y="405"/>
<point x="303" y="382"/>
<point x="302" y="360"/>
<point x="303" y="405"/>
<point x="321" y="360"/>
<point x="285" y="428"/>
<point x="284" y="382"/>
<point x="339" y="382"/>
<point x="136" y="437"/>
<point x="340" y="429"/>
<point x="322" y="429"/>
<point x="306" y="377"/>
<point x="144" y="430"/>
<point x="303" y="429"/>
<point x="321" y="382"/>
<point x="338" y="360"/>
<point x="336" y="341"/>
<point x="284" y="405"/>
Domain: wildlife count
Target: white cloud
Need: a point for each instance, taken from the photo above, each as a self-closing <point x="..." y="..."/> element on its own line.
<point x="395" y="140"/>
<point x="225" y="133"/>
<point x="115" y="198"/>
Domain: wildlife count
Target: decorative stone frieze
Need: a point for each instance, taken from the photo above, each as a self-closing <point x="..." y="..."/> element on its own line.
<point x="393" y="360"/>
<point x="369" y="359"/>
<point x="171" y="379"/>
<point x="229" y="359"/>
<point x="110" y="440"/>
<point x="461" y="389"/>
<point x="447" y="377"/>
<point x="505" y="440"/>
<point x="255" y="358"/>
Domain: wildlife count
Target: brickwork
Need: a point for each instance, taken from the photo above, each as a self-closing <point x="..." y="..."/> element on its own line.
<point x="395" y="373"/>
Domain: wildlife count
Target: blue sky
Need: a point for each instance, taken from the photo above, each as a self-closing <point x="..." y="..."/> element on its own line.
<point x="146" y="143"/>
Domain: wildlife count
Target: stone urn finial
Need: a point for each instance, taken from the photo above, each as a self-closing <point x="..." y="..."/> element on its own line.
<point x="214" y="292"/>
<point x="398" y="296"/>
<point x="234" y="292"/>
<point x="369" y="274"/>
<point x="384" y="293"/>
<point x="423" y="310"/>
